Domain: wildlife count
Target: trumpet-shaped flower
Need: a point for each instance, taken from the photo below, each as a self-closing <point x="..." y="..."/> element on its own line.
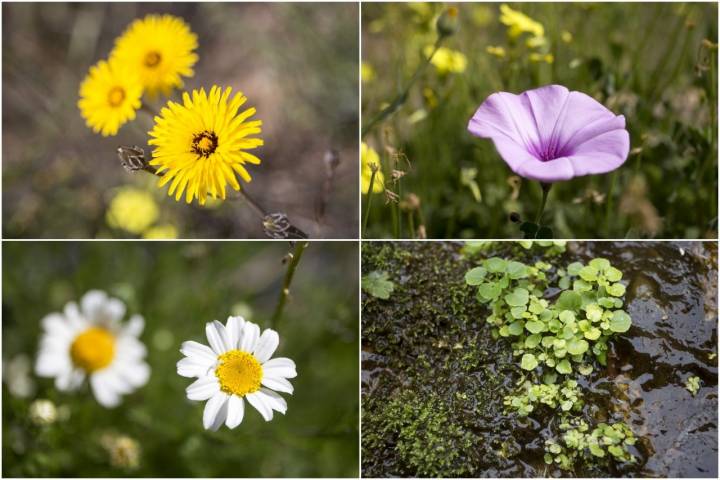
<point x="89" y="341"/>
<point x="234" y="368"/>
<point x="552" y="134"/>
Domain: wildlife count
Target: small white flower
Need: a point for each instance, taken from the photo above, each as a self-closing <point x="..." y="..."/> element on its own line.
<point x="43" y="412"/>
<point x="237" y="365"/>
<point x="91" y="341"/>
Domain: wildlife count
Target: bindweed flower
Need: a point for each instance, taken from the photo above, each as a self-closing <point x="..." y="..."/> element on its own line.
<point x="90" y="341"/>
<point x="161" y="49"/>
<point x="42" y="412"/>
<point x="551" y="134"/>
<point x="236" y="366"/>
<point x="109" y="97"/>
<point x="132" y="209"/>
<point x="201" y="145"/>
<point x="370" y="159"/>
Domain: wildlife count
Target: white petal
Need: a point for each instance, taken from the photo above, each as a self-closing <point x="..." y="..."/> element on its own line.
<point x="113" y="311"/>
<point x="249" y="337"/>
<point x="203" y="388"/>
<point x="112" y="378"/>
<point x="234" y="328"/>
<point x="69" y="380"/>
<point x="135" y="326"/>
<point x="136" y="373"/>
<point x="92" y="303"/>
<point x="280" y="367"/>
<point x="217" y="337"/>
<point x="277" y="383"/>
<point x="75" y="319"/>
<point x="55" y="325"/>
<point x="256" y="399"/>
<point x="194" y="349"/>
<point x="104" y="393"/>
<point x="193" y="367"/>
<point x="215" y="411"/>
<point x="266" y="345"/>
<point x="51" y="364"/>
<point x="129" y="348"/>
<point x="236" y="411"/>
<point x="273" y="400"/>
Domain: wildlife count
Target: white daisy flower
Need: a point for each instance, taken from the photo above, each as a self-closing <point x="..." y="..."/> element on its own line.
<point x="90" y="341"/>
<point x="237" y="365"/>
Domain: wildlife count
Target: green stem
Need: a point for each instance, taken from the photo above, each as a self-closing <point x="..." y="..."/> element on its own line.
<point x="411" y="223"/>
<point x="369" y="201"/>
<point x="401" y="97"/>
<point x="399" y="212"/>
<point x="285" y="291"/>
<point x="545" y="191"/>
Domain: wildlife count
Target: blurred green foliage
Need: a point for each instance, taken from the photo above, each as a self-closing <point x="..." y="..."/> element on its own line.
<point x="296" y="63"/>
<point x="654" y="63"/>
<point x="178" y="287"/>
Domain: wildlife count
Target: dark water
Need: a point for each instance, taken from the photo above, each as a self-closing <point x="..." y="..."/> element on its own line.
<point x="421" y="341"/>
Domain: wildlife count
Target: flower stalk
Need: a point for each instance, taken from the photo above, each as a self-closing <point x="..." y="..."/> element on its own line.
<point x="374" y="168"/>
<point x="294" y="259"/>
<point x="545" y="191"/>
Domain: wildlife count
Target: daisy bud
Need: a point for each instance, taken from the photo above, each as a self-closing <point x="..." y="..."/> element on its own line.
<point x="447" y="23"/>
<point x="43" y="412"/>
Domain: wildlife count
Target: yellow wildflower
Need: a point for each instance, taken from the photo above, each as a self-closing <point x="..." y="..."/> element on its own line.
<point x="132" y="209"/>
<point x="369" y="156"/>
<point x="536" y="42"/>
<point x="519" y="23"/>
<point x="539" y="57"/>
<point x="165" y="231"/>
<point x="566" y="36"/>
<point x="496" y="51"/>
<point x="367" y="72"/>
<point x="446" y="60"/>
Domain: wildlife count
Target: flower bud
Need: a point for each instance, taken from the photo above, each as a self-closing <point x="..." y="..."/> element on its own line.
<point x="447" y="23"/>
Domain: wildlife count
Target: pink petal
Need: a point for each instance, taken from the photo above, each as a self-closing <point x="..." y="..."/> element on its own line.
<point x="504" y="115"/>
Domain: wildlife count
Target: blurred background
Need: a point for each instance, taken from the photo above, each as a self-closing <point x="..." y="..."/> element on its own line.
<point x="654" y="63"/>
<point x="178" y="287"/>
<point x="297" y="63"/>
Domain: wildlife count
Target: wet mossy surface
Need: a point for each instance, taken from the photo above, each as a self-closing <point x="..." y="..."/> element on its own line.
<point x="434" y="379"/>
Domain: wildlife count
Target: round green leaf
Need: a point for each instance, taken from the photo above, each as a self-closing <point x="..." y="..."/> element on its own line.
<point x="577" y="346"/>
<point x="613" y="274"/>
<point x="489" y="290"/>
<point x="566" y="316"/>
<point x="574" y="268"/>
<point x="569" y="300"/>
<point x="516" y="270"/>
<point x="620" y="321"/>
<point x="564" y="367"/>
<point x="600" y="264"/>
<point x="532" y="341"/>
<point x="475" y="276"/>
<point x="495" y="265"/>
<point x="588" y="273"/>
<point x="516" y="328"/>
<point x="534" y="326"/>
<point x="616" y="289"/>
<point x="517" y="298"/>
<point x="593" y="334"/>
<point x="529" y="362"/>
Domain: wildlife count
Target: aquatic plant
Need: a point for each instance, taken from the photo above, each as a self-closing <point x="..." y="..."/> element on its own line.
<point x="578" y="442"/>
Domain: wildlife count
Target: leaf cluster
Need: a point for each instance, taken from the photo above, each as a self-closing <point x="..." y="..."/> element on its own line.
<point x="566" y="395"/>
<point x="578" y="442"/>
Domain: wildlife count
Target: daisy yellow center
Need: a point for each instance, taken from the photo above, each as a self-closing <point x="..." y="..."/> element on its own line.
<point x="204" y="143"/>
<point x="152" y="59"/>
<point x="93" y="349"/>
<point x="239" y="373"/>
<point x="116" y="95"/>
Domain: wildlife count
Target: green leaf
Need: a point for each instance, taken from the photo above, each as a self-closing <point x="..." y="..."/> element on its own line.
<point x="529" y="362"/>
<point x="581" y="286"/>
<point x="596" y="450"/>
<point x="577" y="346"/>
<point x="377" y="284"/>
<point x="613" y="274"/>
<point x="534" y="326"/>
<point x="620" y="321"/>
<point x="569" y="300"/>
<point x="495" y="265"/>
<point x="600" y="264"/>
<point x="585" y="369"/>
<point x="517" y="312"/>
<point x="547" y="342"/>
<point x="564" y="367"/>
<point x="517" y="297"/>
<point x="574" y="268"/>
<point x="489" y="290"/>
<point x="532" y="341"/>
<point x="517" y="270"/>
<point x="516" y="328"/>
<point x="593" y="334"/>
<point x="475" y="276"/>
<point x="588" y="273"/>
<point x="567" y="316"/>
<point x="616" y="289"/>
<point x="593" y="312"/>
<point x="564" y="283"/>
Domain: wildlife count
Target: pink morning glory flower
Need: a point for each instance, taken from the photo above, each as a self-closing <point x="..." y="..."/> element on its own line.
<point x="551" y="134"/>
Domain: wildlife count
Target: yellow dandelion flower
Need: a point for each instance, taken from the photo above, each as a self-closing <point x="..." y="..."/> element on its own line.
<point x="538" y="57"/>
<point x="160" y="48"/>
<point x="536" y="42"/>
<point x="132" y="209"/>
<point x="447" y="60"/>
<point x="109" y="97"/>
<point x="369" y="156"/>
<point x="496" y="51"/>
<point x="201" y="145"/>
<point x="519" y="23"/>
<point x="161" y="232"/>
<point x="367" y="72"/>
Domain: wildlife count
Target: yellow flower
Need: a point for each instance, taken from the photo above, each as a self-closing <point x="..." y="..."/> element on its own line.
<point x="109" y="97"/>
<point x="496" y="51"/>
<point x="519" y="23"/>
<point x="566" y="36"/>
<point x="446" y="60"/>
<point x="369" y="156"/>
<point x="161" y="231"/>
<point x="536" y="42"/>
<point x="538" y="57"/>
<point x="132" y="209"/>
<point x="201" y="145"/>
<point x="367" y="72"/>
<point x="160" y="48"/>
